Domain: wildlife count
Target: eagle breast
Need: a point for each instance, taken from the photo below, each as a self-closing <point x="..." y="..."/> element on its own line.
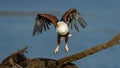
<point x="62" y="28"/>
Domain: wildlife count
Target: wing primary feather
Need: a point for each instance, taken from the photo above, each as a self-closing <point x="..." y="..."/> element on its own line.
<point x="71" y="21"/>
<point x="41" y="27"/>
<point x="76" y="27"/>
<point x="47" y="24"/>
<point x="44" y="27"/>
<point x="82" y="22"/>
<point x="35" y="29"/>
<point x="44" y="24"/>
<point x="71" y="26"/>
<point x="75" y="23"/>
<point x="36" y="26"/>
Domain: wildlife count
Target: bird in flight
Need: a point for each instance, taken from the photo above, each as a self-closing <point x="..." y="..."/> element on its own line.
<point x="70" y="19"/>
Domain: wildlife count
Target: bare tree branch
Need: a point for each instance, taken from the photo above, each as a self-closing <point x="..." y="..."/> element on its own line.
<point x="115" y="40"/>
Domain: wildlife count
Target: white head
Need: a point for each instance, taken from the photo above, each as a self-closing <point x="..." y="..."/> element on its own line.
<point x="60" y="23"/>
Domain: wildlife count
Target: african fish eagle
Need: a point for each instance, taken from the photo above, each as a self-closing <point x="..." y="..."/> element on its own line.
<point x="69" y="19"/>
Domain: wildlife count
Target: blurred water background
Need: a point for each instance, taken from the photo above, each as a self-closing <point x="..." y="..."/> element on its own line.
<point x="17" y="19"/>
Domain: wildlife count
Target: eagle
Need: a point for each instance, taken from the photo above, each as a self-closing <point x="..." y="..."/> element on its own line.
<point x="70" y="19"/>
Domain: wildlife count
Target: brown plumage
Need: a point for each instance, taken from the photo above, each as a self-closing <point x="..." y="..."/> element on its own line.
<point x="71" y="17"/>
<point x="43" y="21"/>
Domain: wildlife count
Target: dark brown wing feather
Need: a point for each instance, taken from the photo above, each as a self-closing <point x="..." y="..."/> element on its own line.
<point x="72" y="17"/>
<point x="43" y="21"/>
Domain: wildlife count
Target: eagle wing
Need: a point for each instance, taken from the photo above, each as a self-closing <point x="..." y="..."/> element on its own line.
<point x="72" y="17"/>
<point x="43" y="21"/>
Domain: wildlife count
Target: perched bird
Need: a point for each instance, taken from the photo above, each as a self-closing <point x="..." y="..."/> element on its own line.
<point x="69" y="19"/>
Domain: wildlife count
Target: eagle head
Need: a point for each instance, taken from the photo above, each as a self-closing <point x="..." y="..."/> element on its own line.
<point x="60" y="23"/>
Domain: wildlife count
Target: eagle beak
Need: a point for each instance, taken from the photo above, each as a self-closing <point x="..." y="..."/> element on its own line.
<point x="58" y="24"/>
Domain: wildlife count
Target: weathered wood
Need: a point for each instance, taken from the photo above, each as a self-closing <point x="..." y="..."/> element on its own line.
<point x="19" y="60"/>
<point x="15" y="56"/>
<point x="71" y="58"/>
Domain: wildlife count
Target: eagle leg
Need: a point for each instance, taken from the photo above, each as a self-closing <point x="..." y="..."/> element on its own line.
<point x="66" y="41"/>
<point x="58" y="44"/>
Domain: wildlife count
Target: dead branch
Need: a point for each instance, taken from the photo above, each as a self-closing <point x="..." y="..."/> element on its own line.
<point x="15" y="56"/>
<point x="19" y="60"/>
<point x="115" y="40"/>
<point x="14" y="64"/>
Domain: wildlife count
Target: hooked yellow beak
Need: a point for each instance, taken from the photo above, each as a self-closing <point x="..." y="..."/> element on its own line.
<point x="58" y="24"/>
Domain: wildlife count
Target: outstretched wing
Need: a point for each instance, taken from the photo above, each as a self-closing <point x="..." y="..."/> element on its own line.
<point x="72" y="17"/>
<point x="43" y="21"/>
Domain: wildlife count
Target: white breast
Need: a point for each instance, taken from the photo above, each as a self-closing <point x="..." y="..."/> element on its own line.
<point x="63" y="30"/>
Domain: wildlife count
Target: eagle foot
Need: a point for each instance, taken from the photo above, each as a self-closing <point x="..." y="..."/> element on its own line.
<point x="66" y="49"/>
<point x="56" y="50"/>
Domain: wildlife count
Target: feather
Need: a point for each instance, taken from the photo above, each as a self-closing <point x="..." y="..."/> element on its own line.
<point x="72" y="16"/>
<point x="42" y="23"/>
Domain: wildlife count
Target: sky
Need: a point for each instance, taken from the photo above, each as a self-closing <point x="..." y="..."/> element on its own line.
<point x="26" y="5"/>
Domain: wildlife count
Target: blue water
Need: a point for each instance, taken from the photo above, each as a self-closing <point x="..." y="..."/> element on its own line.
<point x="102" y="17"/>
